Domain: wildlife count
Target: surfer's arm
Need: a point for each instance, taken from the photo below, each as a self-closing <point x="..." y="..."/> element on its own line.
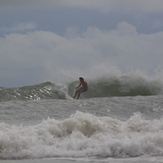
<point x="78" y="86"/>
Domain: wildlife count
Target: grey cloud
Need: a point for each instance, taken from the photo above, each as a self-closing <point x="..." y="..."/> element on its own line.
<point x="120" y="6"/>
<point x="26" y="26"/>
<point x="90" y="53"/>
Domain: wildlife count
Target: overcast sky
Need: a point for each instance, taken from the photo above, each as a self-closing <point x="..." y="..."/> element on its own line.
<point x="60" y="40"/>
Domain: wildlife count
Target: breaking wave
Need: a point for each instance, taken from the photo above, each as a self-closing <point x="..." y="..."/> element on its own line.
<point x="102" y="87"/>
<point x="82" y="135"/>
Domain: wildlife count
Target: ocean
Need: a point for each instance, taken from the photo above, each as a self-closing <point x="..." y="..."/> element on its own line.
<point x="119" y="119"/>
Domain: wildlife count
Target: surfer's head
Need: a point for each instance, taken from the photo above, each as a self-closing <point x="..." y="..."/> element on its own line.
<point x="81" y="79"/>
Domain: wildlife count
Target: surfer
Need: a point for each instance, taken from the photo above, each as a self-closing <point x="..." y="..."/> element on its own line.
<point x="82" y="87"/>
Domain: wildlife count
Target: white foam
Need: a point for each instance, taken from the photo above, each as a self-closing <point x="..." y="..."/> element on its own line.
<point x="82" y="135"/>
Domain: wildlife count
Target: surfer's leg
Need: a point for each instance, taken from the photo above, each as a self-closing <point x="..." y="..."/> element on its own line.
<point x="75" y="95"/>
<point x="79" y="94"/>
<point x="81" y="91"/>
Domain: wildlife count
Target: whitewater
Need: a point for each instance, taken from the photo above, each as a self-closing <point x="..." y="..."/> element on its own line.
<point x="119" y="119"/>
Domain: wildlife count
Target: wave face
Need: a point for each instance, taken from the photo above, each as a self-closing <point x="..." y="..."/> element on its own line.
<point x="102" y="87"/>
<point x="45" y="90"/>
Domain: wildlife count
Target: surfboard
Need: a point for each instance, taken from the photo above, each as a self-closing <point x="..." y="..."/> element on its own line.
<point x="69" y="97"/>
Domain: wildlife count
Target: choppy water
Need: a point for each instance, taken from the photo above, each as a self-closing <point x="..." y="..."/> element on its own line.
<point x="117" y="118"/>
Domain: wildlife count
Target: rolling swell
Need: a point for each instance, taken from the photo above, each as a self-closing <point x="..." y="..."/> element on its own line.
<point x="45" y="90"/>
<point x="102" y="87"/>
